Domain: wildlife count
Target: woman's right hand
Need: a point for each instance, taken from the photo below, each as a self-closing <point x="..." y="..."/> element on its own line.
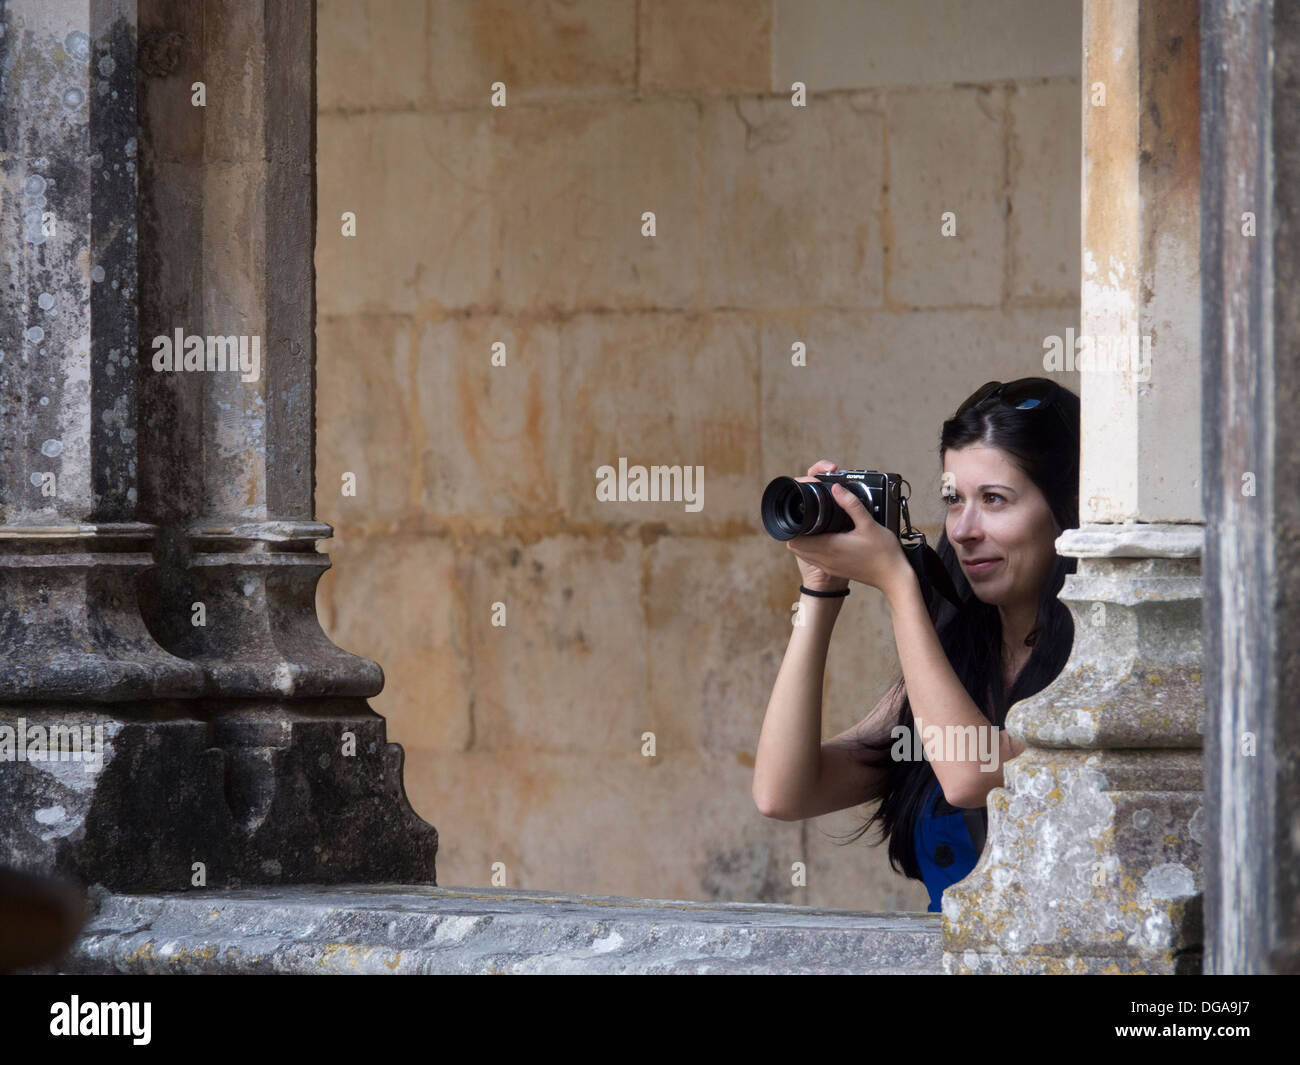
<point x="812" y="577"/>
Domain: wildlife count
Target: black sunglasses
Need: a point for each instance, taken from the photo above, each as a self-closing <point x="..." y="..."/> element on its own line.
<point x="1028" y="393"/>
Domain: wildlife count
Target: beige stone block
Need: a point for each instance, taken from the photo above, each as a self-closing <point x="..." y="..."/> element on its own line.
<point x="401" y="602"/>
<point x="848" y="44"/>
<point x="680" y="828"/>
<point x="878" y="386"/>
<point x="717" y="622"/>
<point x="673" y="828"/>
<point x="419" y="187"/>
<point x="1046" y="132"/>
<point x="946" y="154"/>
<point x="571" y="185"/>
<point x="791" y="202"/>
<point x="490" y="440"/>
<point x="538" y="48"/>
<point x="364" y="372"/>
<point x="372" y="54"/>
<point x="567" y="670"/>
<point x="723" y="46"/>
<point x="663" y="390"/>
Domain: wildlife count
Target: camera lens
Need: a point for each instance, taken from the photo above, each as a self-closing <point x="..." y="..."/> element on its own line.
<point x="793" y="511"/>
<point x="791" y="508"/>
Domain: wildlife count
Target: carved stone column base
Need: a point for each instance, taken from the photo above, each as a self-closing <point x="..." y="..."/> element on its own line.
<point x="1093" y="857"/>
<point x="70" y="622"/>
<point x="261" y="637"/>
<point x="1091" y="866"/>
<point x="300" y="794"/>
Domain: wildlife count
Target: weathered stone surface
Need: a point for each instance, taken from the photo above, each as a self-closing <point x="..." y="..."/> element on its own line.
<point x="619" y="401"/>
<point x="70" y="622"/>
<point x="715" y="48"/>
<point x="613" y="825"/>
<point x="70" y="547"/>
<point x="1043" y="223"/>
<point x="1094" y="854"/>
<point x="567" y="194"/>
<point x="486" y="437"/>
<point x="1250" y="202"/>
<point x="260" y="636"/>
<point x="1134" y="675"/>
<point x="792" y="201"/>
<point x="926" y="267"/>
<point x="598" y="703"/>
<point x="420" y="186"/>
<point x="383" y="47"/>
<point x="843" y="44"/>
<point x="540" y="52"/>
<point x="1141" y="263"/>
<point x="419" y="629"/>
<point x="402" y="929"/>
<point x="365" y="364"/>
<point x="725" y="652"/>
<point x="261" y="796"/>
<point x="288" y="775"/>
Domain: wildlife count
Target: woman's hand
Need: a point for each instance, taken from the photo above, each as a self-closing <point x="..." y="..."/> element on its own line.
<point x="868" y="553"/>
<point x="810" y="575"/>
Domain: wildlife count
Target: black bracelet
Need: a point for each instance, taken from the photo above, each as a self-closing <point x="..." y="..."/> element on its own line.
<point x="825" y="595"/>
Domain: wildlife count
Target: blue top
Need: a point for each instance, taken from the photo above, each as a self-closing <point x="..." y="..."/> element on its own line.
<point x="949" y="841"/>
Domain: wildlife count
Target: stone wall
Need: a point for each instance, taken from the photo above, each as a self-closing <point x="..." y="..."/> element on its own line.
<point x="774" y="225"/>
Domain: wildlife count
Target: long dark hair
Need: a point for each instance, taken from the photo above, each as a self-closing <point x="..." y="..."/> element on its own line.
<point x="1046" y="447"/>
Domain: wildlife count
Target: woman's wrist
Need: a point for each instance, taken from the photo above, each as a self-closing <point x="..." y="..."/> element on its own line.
<point x="901" y="583"/>
<point x="817" y="606"/>
<point x="824" y="593"/>
<point x="825" y="600"/>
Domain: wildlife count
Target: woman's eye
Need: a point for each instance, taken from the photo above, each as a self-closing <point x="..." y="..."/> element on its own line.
<point x="949" y="499"/>
<point x="991" y="495"/>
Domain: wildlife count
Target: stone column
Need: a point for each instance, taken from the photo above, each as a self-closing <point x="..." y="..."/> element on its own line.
<point x="80" y="673"/>
<point x="1093" y="859"/>
<point x="227" y="158"/>
<point x="1250" y="207"/>
<point x="233" y="741"/>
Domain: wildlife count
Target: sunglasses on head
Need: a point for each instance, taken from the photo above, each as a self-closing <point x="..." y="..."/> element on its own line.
<point x="1028" y="393"/>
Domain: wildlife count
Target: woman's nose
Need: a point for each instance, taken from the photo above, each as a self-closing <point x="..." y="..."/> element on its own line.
<point x="967" y="525"/>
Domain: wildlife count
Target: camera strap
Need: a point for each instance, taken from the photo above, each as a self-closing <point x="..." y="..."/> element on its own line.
<point x="925" y="562"/>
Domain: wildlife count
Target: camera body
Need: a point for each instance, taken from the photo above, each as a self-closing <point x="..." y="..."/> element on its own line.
<point x="806" y="508"/>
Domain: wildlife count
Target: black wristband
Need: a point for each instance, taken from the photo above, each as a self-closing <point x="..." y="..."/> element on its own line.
<point x="825" y="595"/>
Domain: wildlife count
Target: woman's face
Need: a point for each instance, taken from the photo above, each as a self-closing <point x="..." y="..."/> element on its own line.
<point x="996" y="512"/>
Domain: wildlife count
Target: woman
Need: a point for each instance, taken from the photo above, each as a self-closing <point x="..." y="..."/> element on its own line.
<point x="1010" y="458"/>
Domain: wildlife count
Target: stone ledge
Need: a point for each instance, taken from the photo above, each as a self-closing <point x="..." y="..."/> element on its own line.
<point x="403" y="928"/>
<point x="1133" y="540"/>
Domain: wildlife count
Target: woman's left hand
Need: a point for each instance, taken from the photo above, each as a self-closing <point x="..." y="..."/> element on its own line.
<point x="868" y="553"/>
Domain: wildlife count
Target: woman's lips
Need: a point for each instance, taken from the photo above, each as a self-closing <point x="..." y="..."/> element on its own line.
<point x="976" y="568"/>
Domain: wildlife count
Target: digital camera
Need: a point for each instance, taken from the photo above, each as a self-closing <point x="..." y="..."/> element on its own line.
<point x="805" y="508"/>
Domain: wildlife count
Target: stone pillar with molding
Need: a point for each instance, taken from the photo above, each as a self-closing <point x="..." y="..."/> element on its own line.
<point x="81" y="677"/>
<point x="239" y="748"/>
<point x="1093" y="862"/>
<point x="1251" y="258"/>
